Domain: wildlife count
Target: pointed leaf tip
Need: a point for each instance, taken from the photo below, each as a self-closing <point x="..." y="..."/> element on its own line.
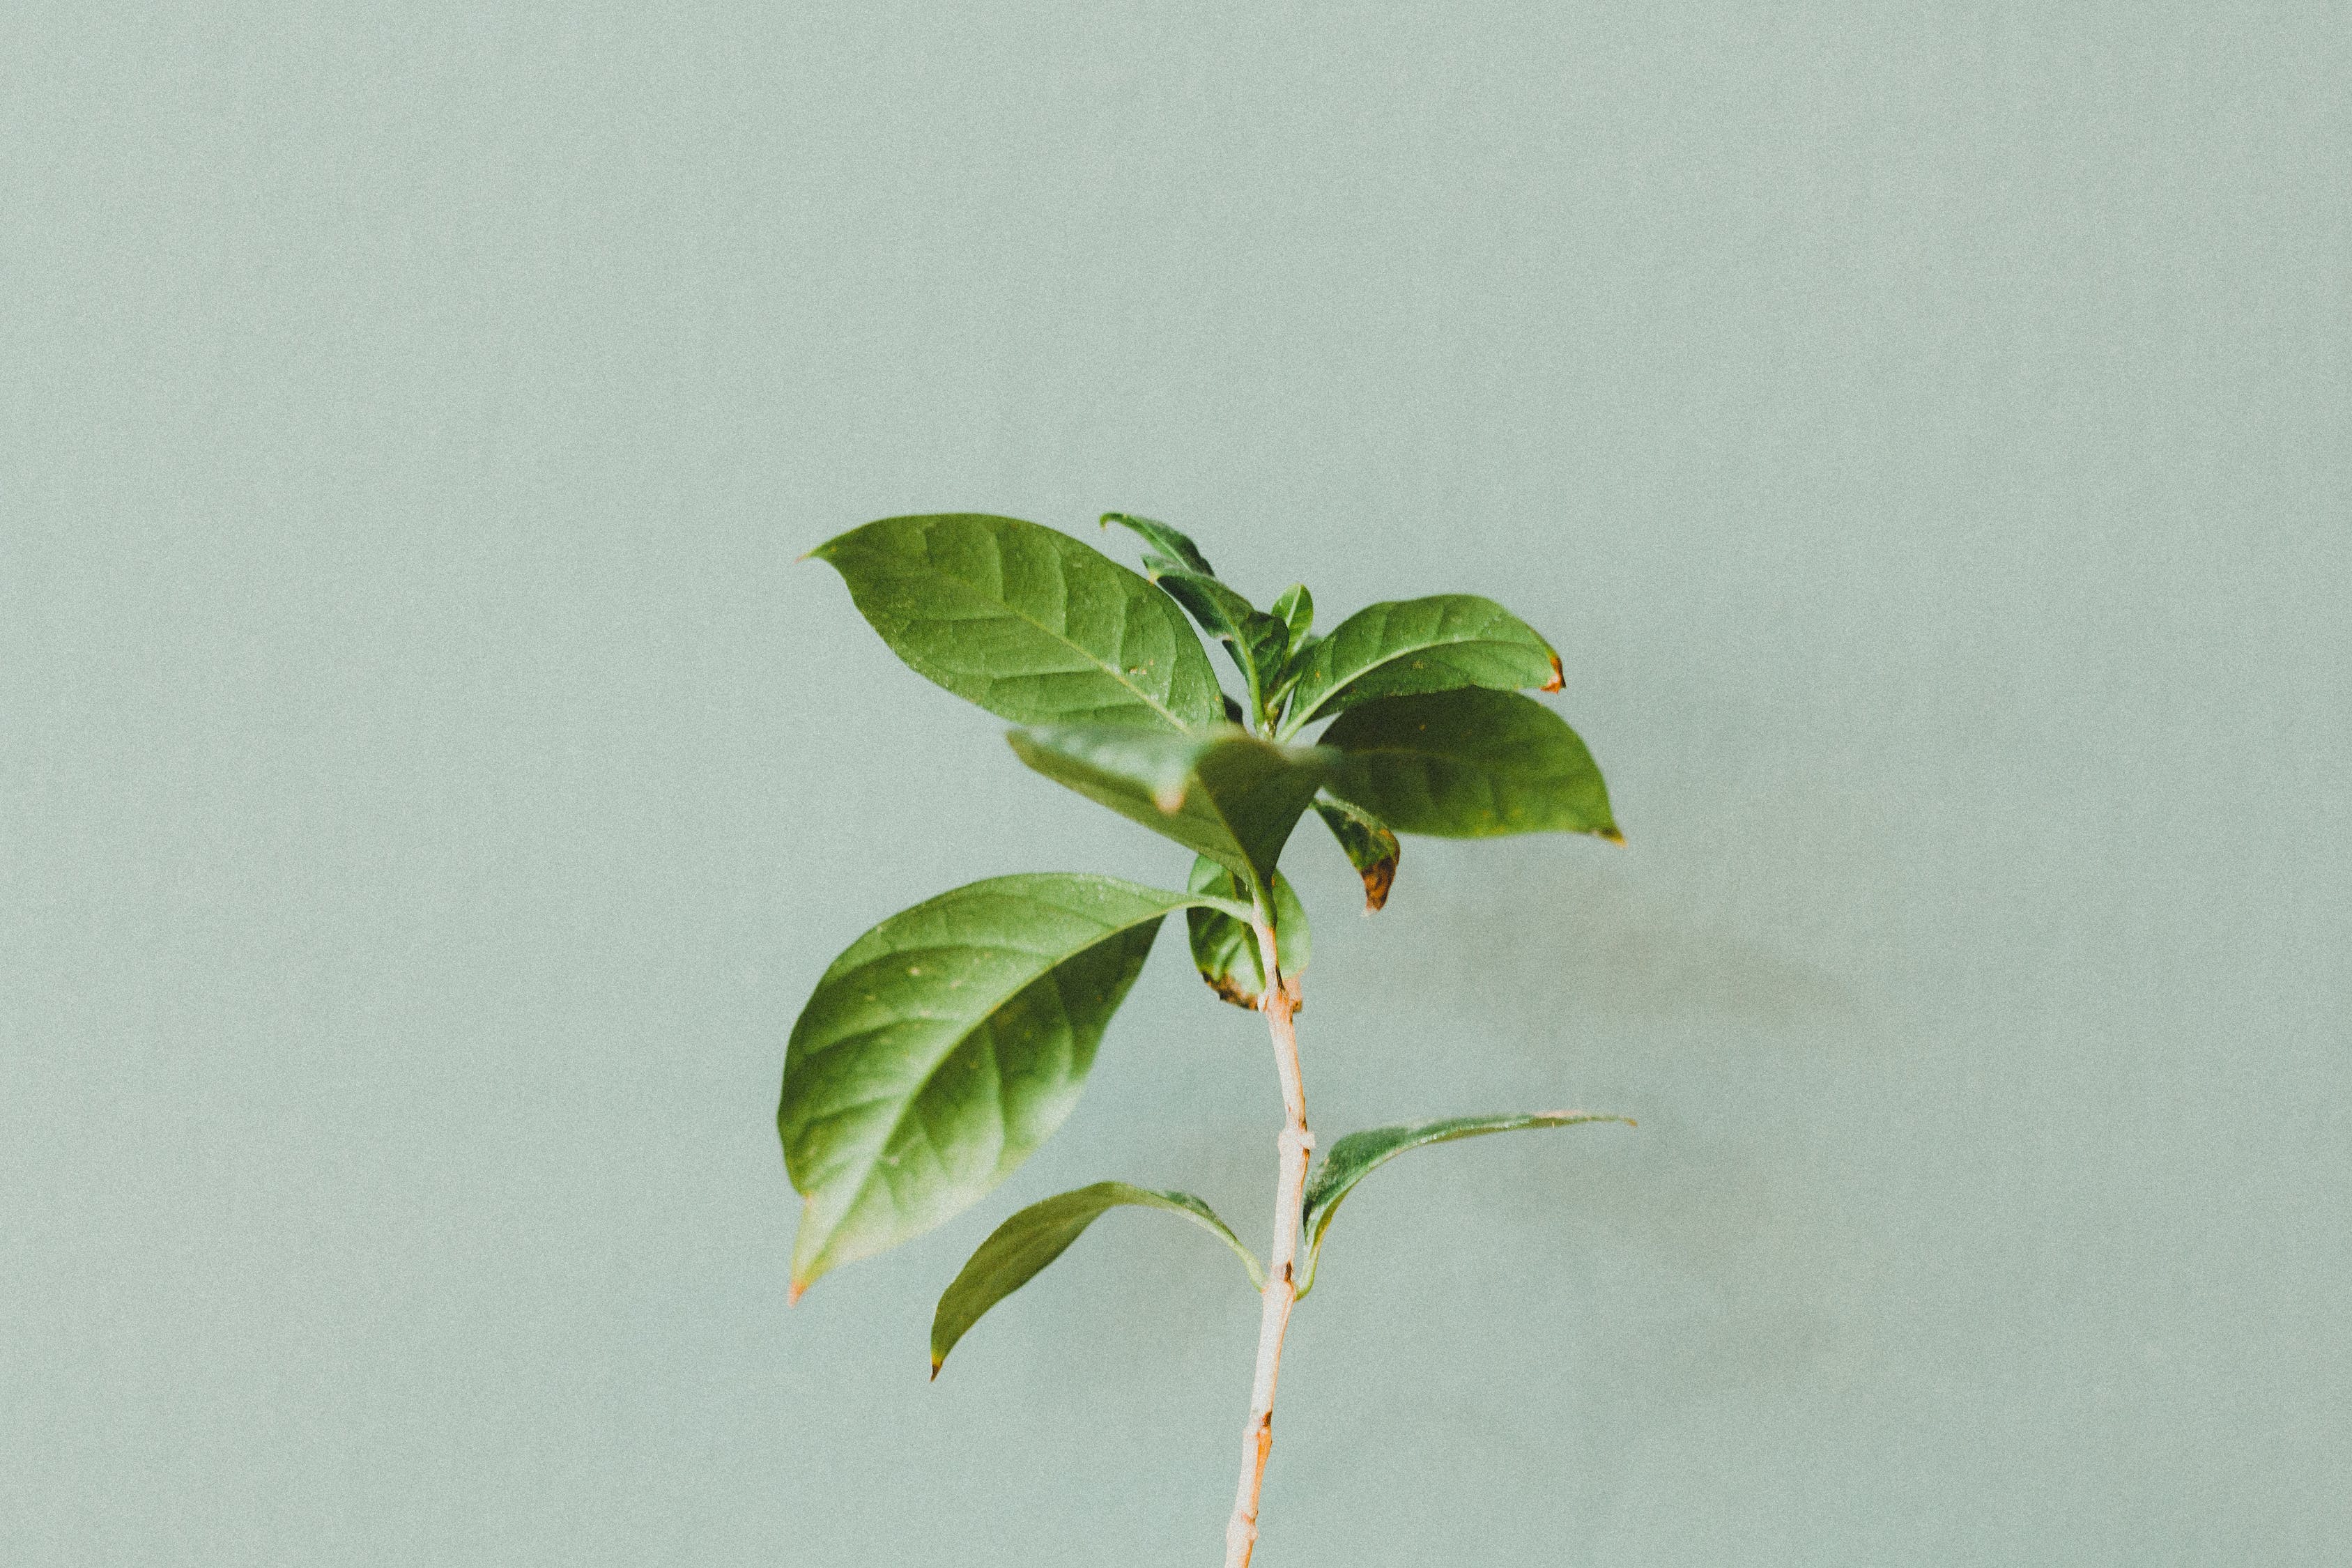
<point x="1612" y="835"/>
<point x="1559" y="677"/>
<point x="794" y="1292"/>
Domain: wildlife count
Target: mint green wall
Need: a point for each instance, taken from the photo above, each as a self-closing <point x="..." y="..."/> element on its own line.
<point x="430" y="787"/>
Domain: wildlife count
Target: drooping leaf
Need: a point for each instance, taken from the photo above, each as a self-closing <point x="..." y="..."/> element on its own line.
<point x="1028" y="623"/>
<point x="1295" y="608"/>
<point x="944" y="1046"/>
<point x="1437" y="643"/>
<point x="1224" y="949"/>
<point x="1173" y="552"/>
<point x="1226" y="794"/>
<point x="1359" y="1154"/>
<point x="1018" y="1250"/>
<point x="1370" y="847"/>
<point x="1468" y="765"/>
<point x="1257" y="642"/>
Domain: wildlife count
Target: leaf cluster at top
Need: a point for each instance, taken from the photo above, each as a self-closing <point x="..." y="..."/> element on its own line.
<point x="945" y="1045"/>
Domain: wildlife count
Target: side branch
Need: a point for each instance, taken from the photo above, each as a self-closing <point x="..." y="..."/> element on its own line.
<point x="1295" y="1144"/>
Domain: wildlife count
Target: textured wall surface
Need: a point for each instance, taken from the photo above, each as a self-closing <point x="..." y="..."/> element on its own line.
<point x="429" y="787"/>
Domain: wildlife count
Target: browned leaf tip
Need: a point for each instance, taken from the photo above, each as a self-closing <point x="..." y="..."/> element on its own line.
<point x="1559" y="677"/>
<point x="1379" y="877"/>
<point x="1228" y="989"/>
<point x="936" y="1364"/>
<point x="1612" y="836"/>
<point x="794" y="1292"/>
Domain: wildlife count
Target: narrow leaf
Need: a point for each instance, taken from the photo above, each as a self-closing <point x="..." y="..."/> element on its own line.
<point x="1257" y="642"/>
<point x="1226" y="794"/>
<point x="944" y="1046"/>
<point x="1370" y="848"/>
<point x="1178" y="552"/>
<point x="1028" y="623"/>
<point x="1468" y="765"/>
<point x="1018" y="1250"/>
<point x="1295" y="608"/>
<point x="1224" y="949"/>
<point x="1437" y="643"/>
<point x="1359" y="1154"/>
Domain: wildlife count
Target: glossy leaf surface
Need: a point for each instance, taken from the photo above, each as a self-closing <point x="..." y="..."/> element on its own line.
<point x="1224" y="949"/>
<point x="1437" y="643"/>
<point x="1359" y="1154"/>
<point x="944" y="1046"/>
<point x="1226" y="794"/>
<point x="1468" y="765"/>
<point x="1030" y="624"/>
<point x="1369" y="844"/>
<point x="1018" y="1250"/>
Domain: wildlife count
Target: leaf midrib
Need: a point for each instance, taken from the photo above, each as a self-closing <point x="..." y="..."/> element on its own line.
<point x="1125" y="607"/>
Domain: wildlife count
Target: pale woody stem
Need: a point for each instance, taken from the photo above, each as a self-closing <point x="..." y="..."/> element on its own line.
<point x="1280" y="1004"/>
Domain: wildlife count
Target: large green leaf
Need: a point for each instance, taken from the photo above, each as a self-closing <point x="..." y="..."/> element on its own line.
<point x="1468" y="765"/>
<point x="944" y="1046"/>
<point x="1030" y="624"/>
<point x="1437" y="644"/>
<point x="1018" y="1250"/>
<point x="1370" y="847"/>
<point x="1226" y="794"/>
<point x="1224" y="949"/>
<point x="1359" y="1154"/>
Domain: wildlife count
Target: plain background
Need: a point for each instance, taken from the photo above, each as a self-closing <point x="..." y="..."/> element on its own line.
<point x="431" y="786"/>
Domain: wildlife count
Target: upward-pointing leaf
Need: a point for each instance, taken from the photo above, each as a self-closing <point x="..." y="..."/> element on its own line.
<point x="1437" y="644"/>
<point x="1257" y="641"/>
<point x="1018" y="1250"/>
<point x="1028" y="623"/>
<point x="1294" y="607"/>
<point x="1359" y="1154"/>
<point x="1226" y="794"/>
<point x="944" y="1046"/>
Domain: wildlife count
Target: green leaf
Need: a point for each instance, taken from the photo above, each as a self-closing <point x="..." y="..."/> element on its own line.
<point x="1437" y="644"/>
<point x="1175" y="551"/>
<point x="1359" y="1154"/>
<point x="1295" y="608"/>
<point x="1370" y="847"/>
<point x="944" y="1046"/>
<point x="1018" y="1250"/>
<point x="1224" y="949"/>
<point x="1030" y="624"/>
<point x="1469" y="764"/>
<point x="1257" y="642"/>
<point x="1226" y="794"/>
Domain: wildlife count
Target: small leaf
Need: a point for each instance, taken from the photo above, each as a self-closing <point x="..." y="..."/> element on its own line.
<point x="1028" y="623"/>
<point x="944" y="1046"/>
<point x="1295" y="608"/>
<point x="1018" y="1250"/>
<point x="1359" y="1154"/>
<point x="1437" y="643"/>
<point x="1257" y="641"/>
<point x="1224" y="949"/>
<point x="1370" y="848"/>
<point x="1226" y="794"/>
<point x="1179" y="552"/>
<point x="1468" y="765"/>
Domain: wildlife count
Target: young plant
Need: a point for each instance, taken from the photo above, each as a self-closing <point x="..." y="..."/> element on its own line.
<point x="948" y="1042"/>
